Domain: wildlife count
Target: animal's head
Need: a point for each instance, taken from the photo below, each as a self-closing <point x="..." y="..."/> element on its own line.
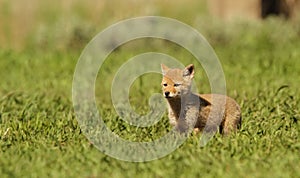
<point x="177" y="82"/>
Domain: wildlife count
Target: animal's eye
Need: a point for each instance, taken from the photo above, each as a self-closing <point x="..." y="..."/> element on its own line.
<point x="165" y="84"/>
<point x="177" y="84"/>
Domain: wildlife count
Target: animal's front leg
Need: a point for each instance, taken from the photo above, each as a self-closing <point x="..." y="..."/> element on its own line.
<point x="181" y="125"/>
<point x="172" y="118"/>
<point x="187" y="121"/>
<point x="172" y="121"/>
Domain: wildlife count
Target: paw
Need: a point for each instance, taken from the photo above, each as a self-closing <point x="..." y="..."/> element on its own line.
<point x="196" y="131"/>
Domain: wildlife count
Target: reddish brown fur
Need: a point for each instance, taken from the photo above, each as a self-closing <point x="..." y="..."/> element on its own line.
<point x="225" y="107"/>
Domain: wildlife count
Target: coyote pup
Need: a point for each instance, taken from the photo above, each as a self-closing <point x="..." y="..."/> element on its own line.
<point x="189" y="110"/>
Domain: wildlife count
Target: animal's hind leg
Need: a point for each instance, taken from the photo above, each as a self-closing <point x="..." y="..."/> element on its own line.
<point x="231" y="124"/>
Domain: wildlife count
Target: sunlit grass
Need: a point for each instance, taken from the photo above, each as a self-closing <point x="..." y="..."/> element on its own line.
<point x="39" y="133"/>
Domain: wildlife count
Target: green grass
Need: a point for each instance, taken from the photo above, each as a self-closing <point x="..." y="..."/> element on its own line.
<point x="40" y="136"/>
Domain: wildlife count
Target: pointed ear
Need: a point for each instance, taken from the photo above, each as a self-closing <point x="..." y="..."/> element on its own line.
<point x="164" y="69"/>
<point x="189" y="71"/>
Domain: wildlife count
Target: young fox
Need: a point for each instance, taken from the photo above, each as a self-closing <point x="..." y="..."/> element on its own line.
<point x="188" y="110"/>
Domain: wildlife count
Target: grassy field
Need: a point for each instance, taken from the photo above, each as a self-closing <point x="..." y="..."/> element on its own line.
<point x="40" y="136"/>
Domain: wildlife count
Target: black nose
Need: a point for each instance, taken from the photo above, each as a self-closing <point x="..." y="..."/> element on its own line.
<point x="167" y="93"/>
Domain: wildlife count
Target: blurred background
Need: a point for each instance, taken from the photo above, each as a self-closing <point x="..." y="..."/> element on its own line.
<point x="72" y="23"/>
<point x="38" y="35"/>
